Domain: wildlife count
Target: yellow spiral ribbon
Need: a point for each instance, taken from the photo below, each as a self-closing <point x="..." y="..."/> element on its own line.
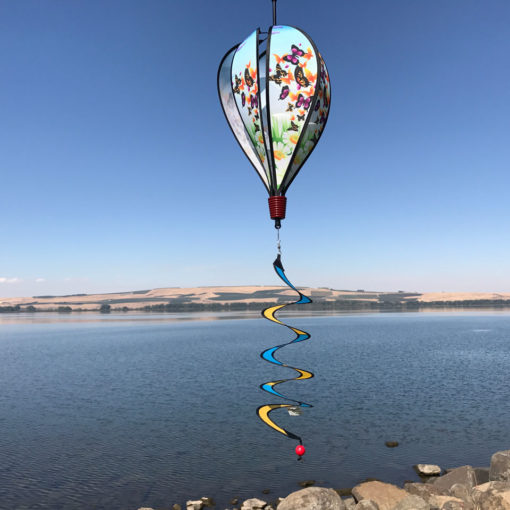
<point x="268" y="355"/>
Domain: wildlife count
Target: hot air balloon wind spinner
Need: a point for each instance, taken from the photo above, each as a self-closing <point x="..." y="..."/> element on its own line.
<point x="275" y="92"/>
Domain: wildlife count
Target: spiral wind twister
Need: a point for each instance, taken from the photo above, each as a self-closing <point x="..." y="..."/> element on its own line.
<point x="275" y="92"/>
<point x="269" y="355"/>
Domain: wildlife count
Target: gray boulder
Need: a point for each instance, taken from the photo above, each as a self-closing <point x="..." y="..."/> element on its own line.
<point x="412" y="502"/>
<point x="384" y="494"/>
<point x="482" y="474"/>
<point x="423" y="490"/>
<point x="349" y="503"/>
<point x="500" y="467"/>
<point x="194" y="505"/>
<point x="460" y="491"/>
<point x="367" y="504"/>
<point x="253" y="504"/>
<point x="464" y="475"/>
<point x="312" y="498"/>
<point x="427" y="469"/>
<point x="454" y="505"/>
<point x="492" y="496"/>
<point x="447" y="502"/>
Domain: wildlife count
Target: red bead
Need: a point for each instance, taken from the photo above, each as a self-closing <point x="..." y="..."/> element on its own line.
<point x="300" y="450"/>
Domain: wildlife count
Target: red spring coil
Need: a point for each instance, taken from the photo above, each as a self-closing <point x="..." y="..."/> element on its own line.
<point x="277" y="207"/>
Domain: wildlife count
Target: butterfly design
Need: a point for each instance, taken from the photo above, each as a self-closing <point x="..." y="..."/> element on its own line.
<point x="236" y="87"/>
<point x="254" y="100"/>
<point x="285" y="92"/>
<point x="290" y="107"/>
<point x="256" y="116"/>
<point x="293" y="126"/>
<point x="280" y="73"/>
<point x="302" y="102"/>
<point x="293" y="57"/>
<point x="257" y="127"/>
<point x="300" y="77"/>
<point x="243" y="99"/>
<point x="247" y="78"/>
<point x="318" y="104"/>
<point x="249" y="110"/>
<point x="301" y="117"/>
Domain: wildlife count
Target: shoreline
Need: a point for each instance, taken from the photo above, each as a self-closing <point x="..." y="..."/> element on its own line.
<point x="461" y="488"/>
<point x="44" y="317"/>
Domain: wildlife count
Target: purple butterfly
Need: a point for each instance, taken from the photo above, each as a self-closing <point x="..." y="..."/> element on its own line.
<point x="243" y="98"/>
<point x="294" y="57"/>
<point x="285" y="92"/>
<point x="302" y="102"/>
<point x="254" y="101"/>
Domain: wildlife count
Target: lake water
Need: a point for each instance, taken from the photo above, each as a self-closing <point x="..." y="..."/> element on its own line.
<point x="118" y="412"/>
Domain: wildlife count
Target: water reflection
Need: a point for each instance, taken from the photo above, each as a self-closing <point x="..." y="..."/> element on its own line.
<point x="148" y="317"/>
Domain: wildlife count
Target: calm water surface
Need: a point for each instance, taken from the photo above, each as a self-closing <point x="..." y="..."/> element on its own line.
<point x="119" y="412"/>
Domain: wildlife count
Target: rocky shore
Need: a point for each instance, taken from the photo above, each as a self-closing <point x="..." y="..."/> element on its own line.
<point x="461" y="488"/>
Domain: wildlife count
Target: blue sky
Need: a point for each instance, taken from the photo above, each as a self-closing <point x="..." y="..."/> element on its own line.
<point x="119" y="172"/>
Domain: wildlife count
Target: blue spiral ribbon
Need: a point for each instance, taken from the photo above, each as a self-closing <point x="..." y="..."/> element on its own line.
<point x="269" y="355"/>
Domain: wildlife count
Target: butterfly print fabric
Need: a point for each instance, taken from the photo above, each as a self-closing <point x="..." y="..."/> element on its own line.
<point x="293" y="70"/>
<point x="280" y="95"/>
<point x="245" y="88"/>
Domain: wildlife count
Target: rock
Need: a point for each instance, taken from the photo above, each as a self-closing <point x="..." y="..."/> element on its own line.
<point x="194" y="505"/>
<point x="234" y="501"/>
<point x="482" y="474"/>
<point x="349" y="503"/>
<point x="427" y="469"/>
<point x="253" y="504"/>
<point x="454" y="505"/>
<point x="459" y="490"/>
<point x="391" y="444"/>
<point x="412" y="502"/>
<point x="492" y="496"/>
<point x="366" y="504"/>
<point x="347" y="491"/>
<point x="145" y="508"/>
<point x="176" y="507"/>
<point x="423" y="490"/>
<point x="464" y="475"/>
<point x="500" y="467"/>
<point x="312" y="498"/>
<point x="306" y="483"/>
<point x="208" y="502"/>
<point x="441" y="501"/>
<point x="384" y="494"/>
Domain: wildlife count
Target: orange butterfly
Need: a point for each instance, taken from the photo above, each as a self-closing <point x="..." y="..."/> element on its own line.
<point x="288" y="78"/>
<point x="311" y="77"/>
<point x="309" y="92"/>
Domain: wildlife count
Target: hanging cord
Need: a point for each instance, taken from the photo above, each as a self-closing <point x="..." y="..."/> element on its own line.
<point x="268" y="355"/>
<point x="274" y="12"/>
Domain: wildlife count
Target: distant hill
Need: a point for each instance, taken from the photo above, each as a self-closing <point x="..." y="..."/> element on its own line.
<point x="247" y="297"/>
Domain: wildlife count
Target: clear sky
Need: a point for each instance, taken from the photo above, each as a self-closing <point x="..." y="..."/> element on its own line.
<point x="118" y="170"/>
